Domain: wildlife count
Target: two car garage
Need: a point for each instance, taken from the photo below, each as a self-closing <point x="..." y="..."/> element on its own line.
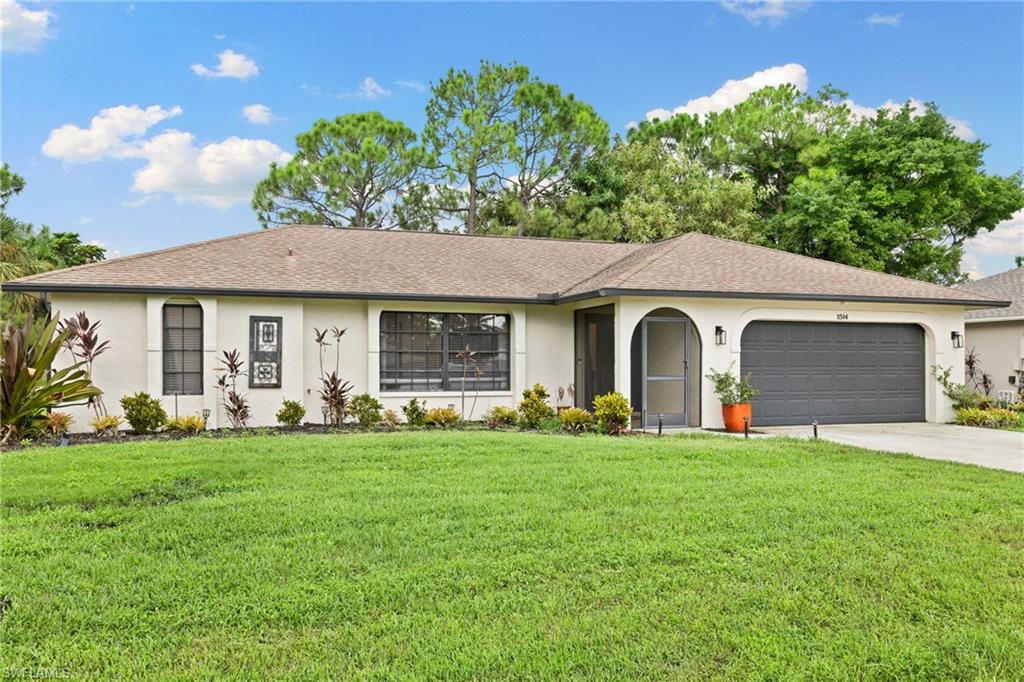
<point x="834" y="372"/>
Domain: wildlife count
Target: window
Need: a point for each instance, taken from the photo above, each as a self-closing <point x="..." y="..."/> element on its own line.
<point x="183" y="350"/>
<point x="420" y="351"/>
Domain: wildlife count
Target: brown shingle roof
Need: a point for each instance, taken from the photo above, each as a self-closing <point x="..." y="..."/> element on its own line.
<point x="318" y="261"/>
<point x="1007" y="285"/>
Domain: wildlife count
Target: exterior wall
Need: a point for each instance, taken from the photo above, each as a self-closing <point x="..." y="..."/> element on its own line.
<point x="1000" y="348"/>
<point x="735" y="314"/>
<point x="542" y="345"/>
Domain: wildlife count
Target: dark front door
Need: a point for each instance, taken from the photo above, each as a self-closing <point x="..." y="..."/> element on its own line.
<point x="598" y="356"/>
<point x="834" y="372"/>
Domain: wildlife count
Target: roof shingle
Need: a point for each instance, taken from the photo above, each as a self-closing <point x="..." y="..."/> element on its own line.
<point x="1008" y="286"/>
<point x="317" y="261"/>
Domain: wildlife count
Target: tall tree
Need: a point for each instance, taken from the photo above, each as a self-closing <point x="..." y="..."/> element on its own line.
<point x="11" y="185"/>
<point x="554" y="134"/>
<point x="470" y="131"/>
<point x="349" y="172"/>
<point x="899" y="193"/>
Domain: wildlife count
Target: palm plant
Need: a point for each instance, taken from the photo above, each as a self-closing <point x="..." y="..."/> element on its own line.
<point x="236" y="405"/>
<point x="29" y="386"/>
<point x="82" y="340"/>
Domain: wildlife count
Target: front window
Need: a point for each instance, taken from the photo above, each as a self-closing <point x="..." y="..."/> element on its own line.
<point x="426" y="352"/>
<point x="183" y="350"/>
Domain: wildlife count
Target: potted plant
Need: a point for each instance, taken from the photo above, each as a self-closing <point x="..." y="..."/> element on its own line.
<point x="735" y="393"/>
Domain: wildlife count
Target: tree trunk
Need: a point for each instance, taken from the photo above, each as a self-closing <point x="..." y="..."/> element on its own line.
<point x="471" y="213"/>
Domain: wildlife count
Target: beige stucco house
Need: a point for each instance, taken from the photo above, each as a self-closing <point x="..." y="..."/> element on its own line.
<point x="822" y="341"/>
<point x="997" y="334"/>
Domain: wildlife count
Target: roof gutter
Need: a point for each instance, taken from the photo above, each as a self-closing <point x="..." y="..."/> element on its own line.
<point x="31" y="287"/>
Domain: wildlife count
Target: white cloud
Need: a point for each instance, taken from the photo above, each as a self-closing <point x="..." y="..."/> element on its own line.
<point x="230" y="64"/>
<point x="1006" y="238"/>
<point x="86" y="220"/>
<point x="22" y="29"/>
<point x="733" y="92"/>
<point x="219" y="36"/>
<point x="110" y="133"/>
<point x="260" y="114"/>
<point x="141" y="201"/>
<point x="371" y="89"/>
<point x="311" y="89"/>
<point x="219" y="174"/>
<point x="418" y="86"/>
<point x="961" y="128"/>
<point x="971" y="266"/>
<point x="891" y="20"/>
<point x="771" y="12"/>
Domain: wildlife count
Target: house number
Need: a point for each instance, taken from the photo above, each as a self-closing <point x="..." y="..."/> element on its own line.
<point x="842" y="316"/>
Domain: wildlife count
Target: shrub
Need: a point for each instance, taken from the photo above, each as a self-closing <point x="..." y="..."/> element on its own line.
<point x="731" y="389"/>
<point x="959" y="394"/>
<point x="613" y="412"/>
<point x="291" y="413"/>
<point x="389" y="418"/>
<point x="236" y="405"/>
<point x="534" y="407"/>
<point x="106" y="425"/>
<point x="442" y="417"/>
<point x="366" y="409"/>
<point x="27" y="386"/>
<point x="334" y="395"/>
<point x="58" y="424"/>
<point x="575" y="419"/>
<point x="501" y="416"/>
<point x="188" y="424"/>
<point x="995" y="418"/>
<point x="415" y="411"/>
<point x="143" y="412"/>
<point x="1016" y="407"/>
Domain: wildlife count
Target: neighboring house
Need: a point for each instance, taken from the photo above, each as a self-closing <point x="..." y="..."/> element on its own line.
<point x="822" y="341"/>
<point x="997" y="334"/>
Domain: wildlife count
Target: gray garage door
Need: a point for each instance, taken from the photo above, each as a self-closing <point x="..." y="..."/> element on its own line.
<point x="834" y="373"/>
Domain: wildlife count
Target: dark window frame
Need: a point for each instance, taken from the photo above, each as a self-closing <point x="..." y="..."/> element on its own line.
<point x="444" y="379"/>
<point x="167" y="386"/>
<point x="264" y="356"/>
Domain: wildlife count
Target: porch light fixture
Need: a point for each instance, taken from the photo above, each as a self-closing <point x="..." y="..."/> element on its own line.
<point x="958" y="339"/>
<point x="206" y="414"/>
<point x="720" y="336"/>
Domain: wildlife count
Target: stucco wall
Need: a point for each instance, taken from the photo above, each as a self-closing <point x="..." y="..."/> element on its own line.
<point x="542" y="345"/>
<point x="1000" y="347"/>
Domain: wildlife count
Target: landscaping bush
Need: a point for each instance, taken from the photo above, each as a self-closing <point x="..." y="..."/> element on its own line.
<point x="143" y="412"/>
<point x="189" y="424"/>
<point x="58" y="424"/>
<point x="613" y="412"/>
<point x="534" y="407"/>
<point x="502" y="416"/>
<point x="575" y="419"/>
<point x="959" y="394"/>
<point x="732" y="389"/>
<point x="389" y="418"/>
<point x="995" y="418"/>
<point x="366" y="410"/>
<point x="442" y="417"/>
<point x="291" y="413"/>
<point x="415" y="411"/>
<point x="106" y="425"/>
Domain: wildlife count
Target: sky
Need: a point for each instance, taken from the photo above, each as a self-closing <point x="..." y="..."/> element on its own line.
<point x="144" y="125"/>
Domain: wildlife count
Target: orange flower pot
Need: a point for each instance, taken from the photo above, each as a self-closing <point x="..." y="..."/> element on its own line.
<point x="733" y="416"/>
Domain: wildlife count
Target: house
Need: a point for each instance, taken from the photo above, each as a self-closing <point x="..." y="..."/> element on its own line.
<point x="822" y="341"/>
<point x="997" y="334"/>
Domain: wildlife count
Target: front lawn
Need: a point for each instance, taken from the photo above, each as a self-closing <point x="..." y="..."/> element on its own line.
<point x="508" y="555"/>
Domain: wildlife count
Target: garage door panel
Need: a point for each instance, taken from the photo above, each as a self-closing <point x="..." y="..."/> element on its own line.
<point x="834" y="372"/>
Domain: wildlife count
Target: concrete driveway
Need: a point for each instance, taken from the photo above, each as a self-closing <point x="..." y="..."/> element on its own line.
<point x="970" y="445"/>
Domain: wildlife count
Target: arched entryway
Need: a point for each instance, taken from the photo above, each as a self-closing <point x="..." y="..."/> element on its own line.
<point x="665" y="370"/>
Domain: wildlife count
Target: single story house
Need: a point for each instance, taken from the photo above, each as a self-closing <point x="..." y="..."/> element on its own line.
<point x="822" y="341"/>
<point x="997" y="334"/>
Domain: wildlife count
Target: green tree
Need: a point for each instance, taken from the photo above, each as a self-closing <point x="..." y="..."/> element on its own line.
<point x="11" y="184"/>
<point x="348" y="172"/>
<point x="554" y="135"/>
<point x="470" y="132"/>
<point x="898" y="193"/>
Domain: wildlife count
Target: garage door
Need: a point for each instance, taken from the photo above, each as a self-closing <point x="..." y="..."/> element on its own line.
<point x="834" y="373"/>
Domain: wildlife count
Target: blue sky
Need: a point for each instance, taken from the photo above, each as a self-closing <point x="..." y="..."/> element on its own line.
<point x="129" y="122"/>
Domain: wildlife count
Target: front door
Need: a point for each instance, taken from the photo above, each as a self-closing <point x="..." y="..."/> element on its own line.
<point x="599" y="357"/>
<point x="664" y="370"/>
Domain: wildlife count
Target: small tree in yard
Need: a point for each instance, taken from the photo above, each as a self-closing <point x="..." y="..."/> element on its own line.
<point x="81" y="339"/>
<point x="334" y="391"/>
<point x="236" y="406"/>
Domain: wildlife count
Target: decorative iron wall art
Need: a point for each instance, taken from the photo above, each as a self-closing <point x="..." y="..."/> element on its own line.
<point x="264" y="352"/>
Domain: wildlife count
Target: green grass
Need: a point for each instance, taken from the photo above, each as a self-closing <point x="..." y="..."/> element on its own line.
<point x="506" y="555"/>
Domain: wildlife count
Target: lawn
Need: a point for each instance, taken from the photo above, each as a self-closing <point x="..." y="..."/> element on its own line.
<point x="507" y="555"/>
